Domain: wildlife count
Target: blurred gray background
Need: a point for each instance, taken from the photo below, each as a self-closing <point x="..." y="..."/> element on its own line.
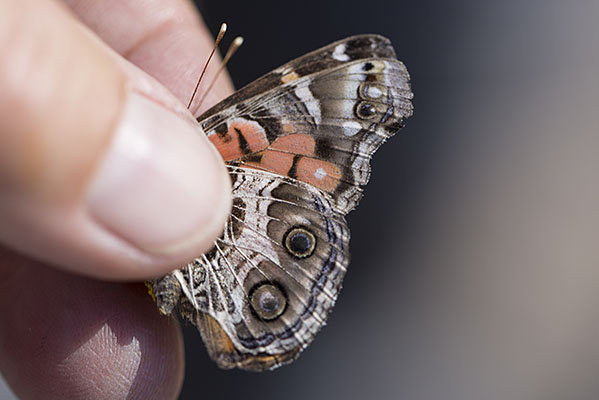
<point x="475" y="257"/>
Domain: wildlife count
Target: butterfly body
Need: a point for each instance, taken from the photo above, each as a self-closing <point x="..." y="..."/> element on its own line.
<point x="297" y="143"/>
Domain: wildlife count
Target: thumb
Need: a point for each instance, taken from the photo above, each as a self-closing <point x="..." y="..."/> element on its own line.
<point x="98" y="173"/>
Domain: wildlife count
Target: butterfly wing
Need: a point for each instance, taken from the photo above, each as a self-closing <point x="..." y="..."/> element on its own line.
<point x="297" y="143"/>
<point x="273" y="276"/>
<point x="321" y="118"/>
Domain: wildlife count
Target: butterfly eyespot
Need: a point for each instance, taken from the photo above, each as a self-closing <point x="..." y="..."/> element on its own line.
<point x="365" y="110"/>
<point x="300" y="242"/>
<point x="371" y="91"/>
<point x="268" y="301"/>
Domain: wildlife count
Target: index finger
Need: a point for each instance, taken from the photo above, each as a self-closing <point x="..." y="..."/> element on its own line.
<point x="165" y="38"/>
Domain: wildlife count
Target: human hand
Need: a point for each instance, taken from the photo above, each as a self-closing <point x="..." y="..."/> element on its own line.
<point x="103" y="173"/>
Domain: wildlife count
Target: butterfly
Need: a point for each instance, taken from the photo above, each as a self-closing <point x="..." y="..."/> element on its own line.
<point x="297" y="143"/>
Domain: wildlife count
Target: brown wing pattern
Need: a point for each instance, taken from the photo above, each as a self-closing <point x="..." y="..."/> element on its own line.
<point x="323" y="127"/>
<point x="298" y="143"/>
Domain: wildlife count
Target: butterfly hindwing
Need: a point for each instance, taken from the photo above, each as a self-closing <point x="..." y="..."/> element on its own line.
<point x="272" y="277"/>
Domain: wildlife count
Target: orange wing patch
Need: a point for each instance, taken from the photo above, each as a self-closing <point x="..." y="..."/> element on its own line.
<point x="243" y="137"/>
<point x="297" y="143"/>
<point x="274" y="161"/>
<point x="290" y="155"/>
<point x="278" y="158"/>
<point x="322" y="174"/>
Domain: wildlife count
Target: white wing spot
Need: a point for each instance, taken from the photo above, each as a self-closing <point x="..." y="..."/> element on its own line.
<point x="350" y="128"/>
<point x="339" y="53"/>
<point x="320" y="173"/>
<point x="313" y="105"/>
<point x="374" y="92"/>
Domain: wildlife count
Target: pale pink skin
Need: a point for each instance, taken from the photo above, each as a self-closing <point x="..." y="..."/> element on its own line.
<point x="66" y="214"/>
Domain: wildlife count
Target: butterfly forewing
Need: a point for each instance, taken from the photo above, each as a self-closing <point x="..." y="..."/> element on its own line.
<point x="340" y="52"/>
<point x="322" y="127"/>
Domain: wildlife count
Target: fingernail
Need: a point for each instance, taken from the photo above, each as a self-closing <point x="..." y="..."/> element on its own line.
<point x="160" y="185"/>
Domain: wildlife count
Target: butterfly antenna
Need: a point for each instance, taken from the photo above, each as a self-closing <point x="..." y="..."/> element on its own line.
<point x="219" y="37"/>
<point x="237" y="42"/>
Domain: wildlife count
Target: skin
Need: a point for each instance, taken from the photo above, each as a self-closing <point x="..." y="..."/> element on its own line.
<point x="73" y="322"/>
